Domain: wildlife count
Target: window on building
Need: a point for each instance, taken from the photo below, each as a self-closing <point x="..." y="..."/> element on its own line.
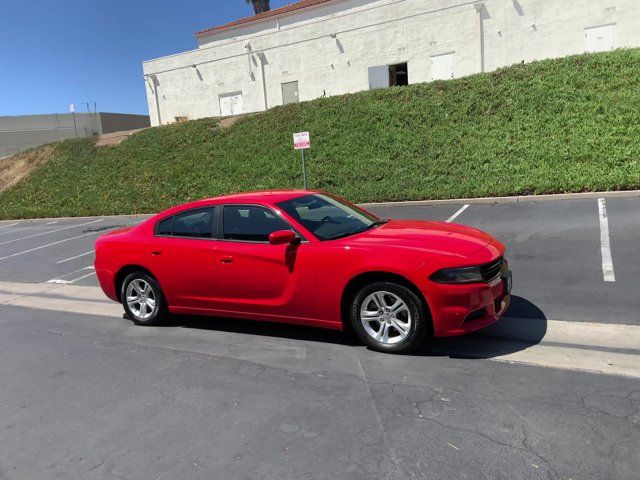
<point x="250" y="224"/>
<point x="399" y="75"/>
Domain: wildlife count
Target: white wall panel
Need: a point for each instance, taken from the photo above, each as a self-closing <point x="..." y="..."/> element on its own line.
<point x="330" y="49"/>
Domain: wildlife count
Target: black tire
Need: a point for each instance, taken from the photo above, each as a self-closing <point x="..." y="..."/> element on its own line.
<point x="419" y="319"/>
<point x="151" y="316"/>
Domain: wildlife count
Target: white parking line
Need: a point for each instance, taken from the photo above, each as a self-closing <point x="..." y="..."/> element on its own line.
<point x="52" y="244"/>
<point x="605" y="245"/>
<point x="50" y="223"/>
<point x="457" y="214"/>
<point x="10" y="225"/>
<point x="77" y="256"/>
<point x="50" y="231"/>
<point x="62" y="281"/>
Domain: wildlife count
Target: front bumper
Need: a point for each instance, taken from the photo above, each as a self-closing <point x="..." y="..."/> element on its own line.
<point x="465" y="308"/>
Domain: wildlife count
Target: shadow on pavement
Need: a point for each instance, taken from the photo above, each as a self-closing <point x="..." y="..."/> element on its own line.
<point x="524" y="325"/>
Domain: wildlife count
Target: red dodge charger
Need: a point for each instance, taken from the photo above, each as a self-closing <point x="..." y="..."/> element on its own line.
<point x="310" y="258"/>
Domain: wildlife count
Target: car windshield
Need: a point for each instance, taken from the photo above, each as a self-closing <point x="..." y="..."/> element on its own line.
<point x="328" y="218"/>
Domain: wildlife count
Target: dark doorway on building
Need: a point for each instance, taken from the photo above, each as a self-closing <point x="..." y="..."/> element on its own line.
<point x="398" y="75"/>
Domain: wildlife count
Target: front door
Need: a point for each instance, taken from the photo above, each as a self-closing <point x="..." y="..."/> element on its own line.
<point x="442" y="67"/>
<point x="257" y="277"/>
<point x="182" y="257"/>
<point x="231" y="104"/>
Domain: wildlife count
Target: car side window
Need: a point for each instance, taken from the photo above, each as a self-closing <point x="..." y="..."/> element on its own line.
<point x="165" y="227"/>
<point x="250" y="223"/>
<point x="191" y="224"/>
<point x="195" y="224"/>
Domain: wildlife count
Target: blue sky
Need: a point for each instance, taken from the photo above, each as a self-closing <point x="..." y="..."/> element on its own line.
<point x="53" y="53"/>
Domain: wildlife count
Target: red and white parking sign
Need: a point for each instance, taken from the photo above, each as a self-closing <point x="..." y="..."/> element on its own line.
<point x="301" y="140"/>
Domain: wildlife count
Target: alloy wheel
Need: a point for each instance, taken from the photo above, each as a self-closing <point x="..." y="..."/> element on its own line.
<point x="140" y="298"/>
<point x="385" y="317"/>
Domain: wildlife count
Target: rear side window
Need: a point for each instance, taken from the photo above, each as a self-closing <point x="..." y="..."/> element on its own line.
<point x="192" y="224"/>
<point x="250" y="224"/>
<point x="165" y="227"/>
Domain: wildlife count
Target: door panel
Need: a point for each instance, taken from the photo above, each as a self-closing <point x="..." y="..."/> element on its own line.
<point x="266" y="279"/>
<point x="257" y="277"/>
<point x="599" y="39"/>
<point x="237" y="104"/>
<point x="378" y="77"/>
<point x="186" y="269"/>
<point x="225" y="106"/>
<point x="442" y="67"/>
<point x="181" y="255"/>
<point x="290" y="93"/>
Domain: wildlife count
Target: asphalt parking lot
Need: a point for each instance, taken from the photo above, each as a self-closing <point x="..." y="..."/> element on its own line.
<point x="553" y="391"/>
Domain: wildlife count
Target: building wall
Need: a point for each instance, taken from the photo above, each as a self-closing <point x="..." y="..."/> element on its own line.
<point x="118" y="122"/>
<point x="330" y="48"/>
<point x="19" y="133"/>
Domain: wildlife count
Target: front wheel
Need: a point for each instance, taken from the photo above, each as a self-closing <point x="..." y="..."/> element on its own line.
<point x="142" y="299"/>
<point x="389" y="317"/>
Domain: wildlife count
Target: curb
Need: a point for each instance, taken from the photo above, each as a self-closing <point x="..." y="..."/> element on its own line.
<point x="514" y="199"/>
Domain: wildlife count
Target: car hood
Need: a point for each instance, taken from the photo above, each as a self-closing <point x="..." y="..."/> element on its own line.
<point x="435" y="236"/>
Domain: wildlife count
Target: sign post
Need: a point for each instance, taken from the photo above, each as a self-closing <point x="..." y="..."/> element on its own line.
<point x="72" y="109"/>
<point x="302" y="141"/>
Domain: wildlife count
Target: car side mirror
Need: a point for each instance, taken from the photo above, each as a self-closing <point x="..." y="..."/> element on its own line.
<point x="282" y="237"/>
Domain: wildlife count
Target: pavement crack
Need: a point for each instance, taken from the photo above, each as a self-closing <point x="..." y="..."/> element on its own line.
<point x="383" y="431"/>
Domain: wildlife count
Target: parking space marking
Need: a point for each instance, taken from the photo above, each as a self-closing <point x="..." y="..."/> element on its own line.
<point x="50" y="223"/>
<point x="10" y="225"/>
<point x="605" y="245"/>
<point x="63" y="281"/>
<point x="50" y="231"/>
<point x="52" y="244"/>
<point x="457" y="214"/>
<point x="77" y="256"/>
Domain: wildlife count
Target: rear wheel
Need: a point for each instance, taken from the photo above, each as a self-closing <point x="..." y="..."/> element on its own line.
<point x="142" y="299"/>
<point x="389" y="317"/>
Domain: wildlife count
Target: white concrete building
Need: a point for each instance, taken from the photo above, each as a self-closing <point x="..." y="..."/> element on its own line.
<point x="315" y="48"/>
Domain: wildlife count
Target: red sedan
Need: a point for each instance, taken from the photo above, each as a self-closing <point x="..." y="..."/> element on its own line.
<point x="310" y="258"/>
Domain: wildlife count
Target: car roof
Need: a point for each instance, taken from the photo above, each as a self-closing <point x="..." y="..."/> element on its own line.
<point x="269" y="197"/>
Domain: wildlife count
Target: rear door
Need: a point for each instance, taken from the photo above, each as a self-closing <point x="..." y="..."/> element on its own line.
<point x="182" y="256"/>
<point x="257" y="277"/>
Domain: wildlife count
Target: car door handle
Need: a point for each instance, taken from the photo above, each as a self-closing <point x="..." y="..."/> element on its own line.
<point x="226" y="259"/>
<point x="156" y="252"/>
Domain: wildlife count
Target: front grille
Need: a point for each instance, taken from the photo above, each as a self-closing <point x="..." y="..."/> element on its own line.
<point x="491" y="271"/>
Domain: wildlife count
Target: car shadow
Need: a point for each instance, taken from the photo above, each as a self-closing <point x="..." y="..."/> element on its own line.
<point x="261" y="328"/>
<point x="523" y="326"/>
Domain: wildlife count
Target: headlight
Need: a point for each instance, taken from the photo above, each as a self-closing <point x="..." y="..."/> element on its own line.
<point x="458" y="275"/>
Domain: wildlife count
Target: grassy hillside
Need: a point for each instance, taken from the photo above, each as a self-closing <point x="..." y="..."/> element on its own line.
<point x="552" y="126"/>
